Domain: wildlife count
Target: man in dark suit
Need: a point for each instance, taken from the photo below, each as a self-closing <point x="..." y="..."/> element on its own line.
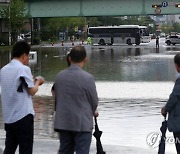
<point x="172" y="107"/>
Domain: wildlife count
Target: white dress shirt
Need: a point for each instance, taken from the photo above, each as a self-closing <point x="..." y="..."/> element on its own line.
<point x="15" y="105"/>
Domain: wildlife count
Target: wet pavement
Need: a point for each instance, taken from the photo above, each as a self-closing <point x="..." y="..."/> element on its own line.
<point x="50" y="146"/>
<point x="133" y="83"/>
<point x="46" y="145"/>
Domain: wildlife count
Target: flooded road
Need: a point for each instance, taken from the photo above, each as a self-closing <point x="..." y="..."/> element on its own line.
<point x="133" y="83"/>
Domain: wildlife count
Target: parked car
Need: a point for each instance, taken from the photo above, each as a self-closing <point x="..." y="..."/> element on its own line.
<point x="162" y="35"/>
<point x="20" y="38"/>
<point x="172" y="39"/>
<point x="27" y="35"/>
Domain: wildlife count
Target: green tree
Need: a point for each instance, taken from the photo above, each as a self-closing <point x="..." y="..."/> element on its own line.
<point x="17" y="17"/>
<point x="14" y="14"/>
<point x="109" y="21"/>
<point x="55" y="25"/>
<point x="166" y="28"/>
<point x="176" y="27"/>
<point x="92" y="21"/>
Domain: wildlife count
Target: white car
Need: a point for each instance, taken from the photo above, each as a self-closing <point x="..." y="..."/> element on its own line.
<point x="20" y="38"/>
<point x="172" y="39"/>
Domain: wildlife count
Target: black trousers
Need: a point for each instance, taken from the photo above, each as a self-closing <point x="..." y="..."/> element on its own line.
<point x="177" y="141"/>
<point x="71" y="141"/>
<point x="20" y="133"/>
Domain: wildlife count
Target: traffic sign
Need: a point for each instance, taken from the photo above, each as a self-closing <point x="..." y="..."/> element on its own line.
<point x="164" y="4"/>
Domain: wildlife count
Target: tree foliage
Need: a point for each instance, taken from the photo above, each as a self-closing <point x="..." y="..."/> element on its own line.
<point x="176" y="27"/>
<point x="125" y="20"/>
<point x="55" y="25"/>
<point x="14" y="14"/>
<point x="17" y="16"/>
<point x="167" y="28"/>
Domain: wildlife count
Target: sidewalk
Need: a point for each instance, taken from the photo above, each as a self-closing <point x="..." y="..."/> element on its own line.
<point x="50" y="146"/>
<point x="45" y="146"/>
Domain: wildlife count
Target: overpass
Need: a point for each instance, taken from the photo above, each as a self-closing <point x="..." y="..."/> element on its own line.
<point x="64" y="8"/>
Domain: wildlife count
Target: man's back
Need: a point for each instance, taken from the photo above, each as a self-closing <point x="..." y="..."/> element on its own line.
<point x="76" y="102"/>
<point x="13" y="102"/>
<point x="76" y="99"/>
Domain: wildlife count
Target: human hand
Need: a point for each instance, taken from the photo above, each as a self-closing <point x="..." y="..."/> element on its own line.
<point x="96" y="113"/>
<point x="39" y="79"/>
<point x="163" y="112"/>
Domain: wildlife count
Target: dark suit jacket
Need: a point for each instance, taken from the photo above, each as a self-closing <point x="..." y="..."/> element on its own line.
<point x="173" y="108"/>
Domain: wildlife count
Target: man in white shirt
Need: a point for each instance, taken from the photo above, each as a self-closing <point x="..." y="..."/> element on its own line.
<point x="17" y="87"/>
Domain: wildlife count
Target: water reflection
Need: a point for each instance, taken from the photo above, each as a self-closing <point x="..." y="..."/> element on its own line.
<point x="107" y="63"/>
<point x="173" y="48"/>
<point x="129" y="105"/>
<point x="137" y="52"/>
<point x="129" y="51"/>
<point x="157" y="50"/>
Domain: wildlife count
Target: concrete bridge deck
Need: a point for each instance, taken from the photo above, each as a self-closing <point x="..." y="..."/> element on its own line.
<point x="62" y="8"/>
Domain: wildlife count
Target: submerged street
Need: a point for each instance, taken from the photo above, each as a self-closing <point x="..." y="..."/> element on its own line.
<point x="133" y="83"/>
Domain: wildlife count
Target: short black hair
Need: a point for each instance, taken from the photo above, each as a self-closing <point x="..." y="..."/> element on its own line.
<point x="20" y="48"/>
<point x="177" y="59"/>
<point x="78" y="54"/>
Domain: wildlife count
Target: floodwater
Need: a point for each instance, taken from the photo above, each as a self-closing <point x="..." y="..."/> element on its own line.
<point x="133" y="83"/>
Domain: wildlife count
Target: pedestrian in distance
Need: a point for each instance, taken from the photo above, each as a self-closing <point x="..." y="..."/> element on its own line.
<point x="17" y="87"/>
<point x="89" y="40"/>
<point x="157" y="42"/>
<point x="76" y="103"/>
<point x="172" y="107"/>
